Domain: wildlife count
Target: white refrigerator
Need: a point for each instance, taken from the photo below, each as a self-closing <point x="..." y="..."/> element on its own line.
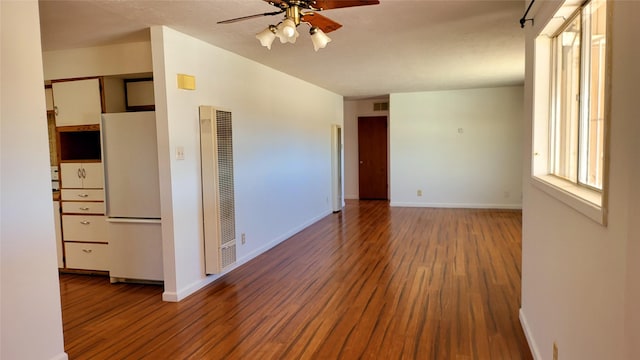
<point x="132" y="196"/>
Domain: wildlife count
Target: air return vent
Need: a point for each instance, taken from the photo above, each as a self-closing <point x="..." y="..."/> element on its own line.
<point x="218" y="203"/>
<point x="381" y="106"/>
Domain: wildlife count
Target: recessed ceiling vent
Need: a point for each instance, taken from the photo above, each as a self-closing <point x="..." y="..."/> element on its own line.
<point x="381" y="106"/>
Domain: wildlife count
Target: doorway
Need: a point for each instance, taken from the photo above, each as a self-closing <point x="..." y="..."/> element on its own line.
<point x="372" y="156"/>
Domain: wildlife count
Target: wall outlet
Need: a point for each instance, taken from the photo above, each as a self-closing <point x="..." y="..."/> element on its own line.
<point x="419" y="192"/>
<point x="243" y="238"/>
<point x="555" y="351"/>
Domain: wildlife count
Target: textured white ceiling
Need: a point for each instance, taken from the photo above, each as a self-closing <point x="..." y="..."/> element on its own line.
<point x="396" y="46"/>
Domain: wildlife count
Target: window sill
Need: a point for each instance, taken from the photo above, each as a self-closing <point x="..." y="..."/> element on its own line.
<point x="586" y="201"/>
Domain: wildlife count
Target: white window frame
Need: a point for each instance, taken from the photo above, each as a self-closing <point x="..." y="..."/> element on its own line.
<point x="586" y="200"/>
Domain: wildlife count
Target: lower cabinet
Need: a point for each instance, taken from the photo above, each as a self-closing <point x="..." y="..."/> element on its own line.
<point x="86" y="228"/>
<point x="87" y="256"/>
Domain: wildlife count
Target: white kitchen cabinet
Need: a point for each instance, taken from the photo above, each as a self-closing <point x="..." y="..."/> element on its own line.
<point x="48" y="97"/>
<point x="87" y="256"/>
<point x="86" y="228"/>
<point x="82" y="175"/>
<point x="81" y="195"/>
<point x="77" y="102"/>
<point x="82" y="207"/>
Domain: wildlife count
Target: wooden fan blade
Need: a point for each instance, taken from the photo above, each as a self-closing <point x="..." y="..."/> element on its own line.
<point x="250" y="17"/>
<point x="323" y="23"/>
<point x="335" y="4"/>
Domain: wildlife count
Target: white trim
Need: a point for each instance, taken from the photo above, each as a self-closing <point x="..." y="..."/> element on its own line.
<point x="579" y="198"/>
<point x="458" y="205"/>
<point x="63" y="356"/>
<point x="181" y="294"/>
<point x="529" y="335"/>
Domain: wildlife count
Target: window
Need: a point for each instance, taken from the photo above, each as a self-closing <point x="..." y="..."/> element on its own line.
<point x="577" y="92"/>
<point x="570" y="107"/>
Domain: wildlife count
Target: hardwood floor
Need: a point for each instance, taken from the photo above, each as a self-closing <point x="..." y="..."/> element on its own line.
<point x="371" y="282"/>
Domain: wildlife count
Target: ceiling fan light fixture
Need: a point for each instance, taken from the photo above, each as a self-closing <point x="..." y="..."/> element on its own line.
<point x="286" y="31"/>
<point x="267" y="36"/>
<point x="319" y="38"/>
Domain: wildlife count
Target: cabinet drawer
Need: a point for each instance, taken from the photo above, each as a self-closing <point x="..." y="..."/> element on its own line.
<point x="80" y="207"/>
<point x="82" y="195"/>
<point x="89" y="228"/>
<point x="87" y="256"/>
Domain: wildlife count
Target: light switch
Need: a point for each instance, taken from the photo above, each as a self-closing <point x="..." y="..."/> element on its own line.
<point x="180" y="152"/>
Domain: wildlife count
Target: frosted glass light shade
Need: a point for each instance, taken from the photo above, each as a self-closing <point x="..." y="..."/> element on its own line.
<point x="286" y="31"/>
<point x="267" y="36"/>
<point x="319" y="38"/>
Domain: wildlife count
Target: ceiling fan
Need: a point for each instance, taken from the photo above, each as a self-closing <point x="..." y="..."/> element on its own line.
<point x="301" y="11"/>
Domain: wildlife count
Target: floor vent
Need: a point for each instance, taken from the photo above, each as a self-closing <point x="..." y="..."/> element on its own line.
<point x="218" y="200"/>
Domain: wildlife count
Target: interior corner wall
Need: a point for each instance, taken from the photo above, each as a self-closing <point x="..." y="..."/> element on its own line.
<point x="352" y="110"/>
<point x="282" y="152"/>
<point x="579" y="278"/>
<point x="30" y="311"/>
<point x="460" y="148"/>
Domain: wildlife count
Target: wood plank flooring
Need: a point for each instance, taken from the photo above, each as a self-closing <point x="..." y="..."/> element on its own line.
<point x="371" y="282"/>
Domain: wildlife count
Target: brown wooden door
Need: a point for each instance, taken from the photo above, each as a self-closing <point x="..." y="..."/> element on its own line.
<point x="372" y="152"/>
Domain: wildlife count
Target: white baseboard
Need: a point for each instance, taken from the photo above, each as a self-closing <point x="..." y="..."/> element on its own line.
<point x="182" y="293"/>
<point x="63" y="356"/>
<point x="285" y="236"/>
<point x="527" y="333"/>
<point x="179" y="295"/>
<point x="458" y="205"/>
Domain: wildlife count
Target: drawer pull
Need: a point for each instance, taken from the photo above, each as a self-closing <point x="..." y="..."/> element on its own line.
<point x="84" y="208"/>
<point x="85" y="222"/>
<point x="83" y="195"/>
<point x="87" y="251"/>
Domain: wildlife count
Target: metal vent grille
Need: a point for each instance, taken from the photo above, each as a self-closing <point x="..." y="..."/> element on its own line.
<point x="228" y="255"/>
<point x="381" y="106"/>
<point x="226" y="186"/>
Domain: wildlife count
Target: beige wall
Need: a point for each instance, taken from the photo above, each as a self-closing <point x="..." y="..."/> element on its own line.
<point x="282" y="154"/>
<point x="131" y="58"/>
<point x="30" y="314"/>
<point x="579" y="278"/>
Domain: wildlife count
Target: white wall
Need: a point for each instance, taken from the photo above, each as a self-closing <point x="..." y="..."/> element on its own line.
<point x="352" y="110"/>
<point x="478" y="168"/>
<point x="131" y="58"/>
<point x="282" y="151"/>
<point x="31" y="320"/>
<point x="580" y="279"/>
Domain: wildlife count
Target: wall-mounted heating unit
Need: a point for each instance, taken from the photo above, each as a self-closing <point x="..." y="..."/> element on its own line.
<point x="218" y="204"/>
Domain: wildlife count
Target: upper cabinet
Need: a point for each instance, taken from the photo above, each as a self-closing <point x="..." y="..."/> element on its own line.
<point x="82" y="175"/>
<point x="77" y="102"/>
